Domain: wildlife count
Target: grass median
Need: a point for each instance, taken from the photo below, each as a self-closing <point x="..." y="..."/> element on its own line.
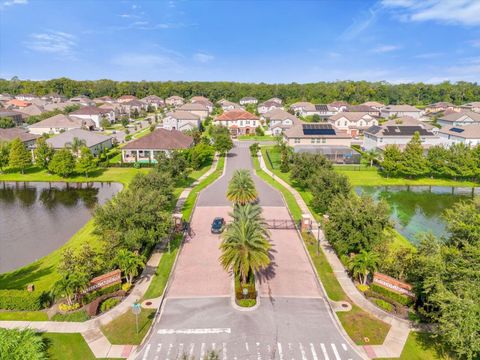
<point x="123" y="329"/>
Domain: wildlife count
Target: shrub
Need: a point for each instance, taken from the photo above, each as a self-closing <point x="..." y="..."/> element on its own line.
<point x="23" y="300"/>
<point x="88" y="298"/>
<point x="66" y="307"/>
<point x="363" y="288"/>
<point x="384" y="305"/>
<point x="402" y="299"/>
<point x="77" y="316"/>
<point x="108" y="304"/>
<point x="126" y="287"/>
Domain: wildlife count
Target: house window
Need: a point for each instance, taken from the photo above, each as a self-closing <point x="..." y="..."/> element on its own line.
<point x="313" y="141"/>
<point x="241" y="122"/>
<point x="324" y="141"/>
<point x="296" y="141"/>
<point x="247" y="122"/>
<point x="380" y="140"/>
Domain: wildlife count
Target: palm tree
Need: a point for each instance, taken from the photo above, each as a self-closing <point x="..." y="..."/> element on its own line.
<point x="245" y="246"/>
<point x="130" y="263"/>
<point x="241" y="188"/>
<point x="363" y="264"/>
<point x="70" y="285"/>
<point x="370" y="156"/>
<point x="22" y="344"/>
<point x="76" y="145"/>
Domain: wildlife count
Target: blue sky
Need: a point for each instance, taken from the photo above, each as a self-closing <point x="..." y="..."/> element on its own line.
<point x="251" y="41"/>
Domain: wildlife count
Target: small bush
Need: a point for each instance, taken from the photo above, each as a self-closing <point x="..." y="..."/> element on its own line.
<point x="23" y="300"/>
<point x="126" y="287"/>
<point x="363" y="288"/>
<point x="108" y="304"/>
<point x="402" y="299"/>
<point x="384" y="305"/>
<point x="77" y="316"/>
<point x="66" y="307"/>
<point x="247" y="302"/>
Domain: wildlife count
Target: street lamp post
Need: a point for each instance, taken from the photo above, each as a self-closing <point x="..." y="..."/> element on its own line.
<point x="136" y="310"/>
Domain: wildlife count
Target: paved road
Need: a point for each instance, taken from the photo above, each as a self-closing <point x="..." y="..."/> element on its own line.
<point x="293" y="320"/>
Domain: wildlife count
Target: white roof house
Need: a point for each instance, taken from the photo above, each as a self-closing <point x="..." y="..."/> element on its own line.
<point x="400" y="110"/>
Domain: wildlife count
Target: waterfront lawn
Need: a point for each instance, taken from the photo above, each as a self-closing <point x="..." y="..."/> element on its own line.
<point x="23" y="315"/>
<point x="67" y="346"/>
<point x="35" y="174"/>
<point x="122" y="330"/>
<point x="423" y="346"/>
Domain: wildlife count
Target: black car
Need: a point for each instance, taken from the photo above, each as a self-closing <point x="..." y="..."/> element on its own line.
<point x="218" y="225"/>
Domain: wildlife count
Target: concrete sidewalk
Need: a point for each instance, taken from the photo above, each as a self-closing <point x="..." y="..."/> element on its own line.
<point x="90" y="330"/>
<point x="398" y="334"/>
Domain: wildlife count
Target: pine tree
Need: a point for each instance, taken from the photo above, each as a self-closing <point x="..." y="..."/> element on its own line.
<point x="43" y="153"/>
<point x="19" y="157"/>
<point x="86" y="162"/>
<point x="392" y="157"/>
<point x="414" y="162"/>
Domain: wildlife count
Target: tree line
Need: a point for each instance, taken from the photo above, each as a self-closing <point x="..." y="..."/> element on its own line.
<point x="354" y="92"/>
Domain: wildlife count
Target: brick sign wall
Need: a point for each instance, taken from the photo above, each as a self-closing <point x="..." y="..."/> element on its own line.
<point x="102" y="281"/>
<point x="393" y="284"/>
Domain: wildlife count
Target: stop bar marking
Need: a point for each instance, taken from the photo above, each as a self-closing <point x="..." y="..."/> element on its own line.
<point x="195" y="331"/>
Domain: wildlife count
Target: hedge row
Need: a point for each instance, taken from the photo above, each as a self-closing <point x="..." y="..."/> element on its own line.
<point x="402" y="299"/>
<point x="23" y="300"/>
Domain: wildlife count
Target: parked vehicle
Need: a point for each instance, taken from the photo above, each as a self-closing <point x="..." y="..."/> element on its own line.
<point x="218" y="225"/>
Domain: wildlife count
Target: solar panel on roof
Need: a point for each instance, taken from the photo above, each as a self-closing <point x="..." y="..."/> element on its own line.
<point x="318" y="129"/>
<point x="457" y="130"/>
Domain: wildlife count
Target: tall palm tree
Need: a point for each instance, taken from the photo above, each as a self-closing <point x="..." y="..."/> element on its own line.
<point x="130" y="263"/>
<point x="370" y="157"/>
<point x="241" y="188"/>
<point x="70" y="285"/>
<point x="76" y="145"/>
<point x="245" y="246"/>
<point x="363" y="264"/>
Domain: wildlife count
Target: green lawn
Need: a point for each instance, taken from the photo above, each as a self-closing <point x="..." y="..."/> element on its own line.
<point x="422" y="346"/>
<point x="23" y="315"/>
<point x="257" y="138"/>
<point x="122" y="330"/>
<point x="67" y="347"/>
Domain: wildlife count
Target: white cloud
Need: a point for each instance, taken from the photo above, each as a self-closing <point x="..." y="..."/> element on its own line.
<point x="386" y="48"/>
<point x="361" y="24"/>
<point x="475" y="43"/>
<point x="464" y="12"/>
<point x="12" y="3"/>
<point x="203" y="57"/>
<point x="431" y="55"/>
<point x="54" y="42"/>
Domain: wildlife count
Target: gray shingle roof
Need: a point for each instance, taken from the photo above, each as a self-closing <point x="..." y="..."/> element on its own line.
<point x="91" y="138"/>
<point x="161" y="139"/>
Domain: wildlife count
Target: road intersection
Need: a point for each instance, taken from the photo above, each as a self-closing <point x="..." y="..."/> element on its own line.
<point x="293" y="319"/>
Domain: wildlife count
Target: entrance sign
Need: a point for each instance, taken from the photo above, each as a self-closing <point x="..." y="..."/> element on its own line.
<point x="393" y="284"/>
<point x="102" y="281"/>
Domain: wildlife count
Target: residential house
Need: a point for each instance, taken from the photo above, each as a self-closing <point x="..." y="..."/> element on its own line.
<point x="468" y="135"/>
<point x="104" y="100"/>
<point x="155" y="101"/>
<point x="229" y="105"/>
<point x="279" y="120"/>
<point x="54" y="106"/>
<point x="303" y="108"/>
<point x="399" y="111"/>
<point x="316" y="135"/>
<point x="441" y="107"/>
<point x="408" y="120"/>
<point x="146" y="148"/>
<point x="268" y="106"/>
<point x="60" y="123"/>
<point x="17" y="104"/>
<point x="96" y="142"/>
<point x="134" y="105"/>
<point x="95" y="114"/>
<point x="181" y="120"/>
<point x="32" y="110"/>
<point x="53" y="98"/>
<point x="377" y="137"/>
<point x="363" y="109"/>
<point x="238" y="121"/>
<point x="339" y="105"/>
<point x="126" y="98"/>
<point x="374" y="104"/>
<point x="195" y="108"/>
<point x="26" y="97"/>
<point x="473" y="106"/>
<point x="14" y="133"/>
<point x="175" y="101"/>
<point x="325" y="110"/>
<point x="5" y="97"/>
<point x="12" y="114"/>
<point x="248" y="101"/>
<point x="354" y="123"/>
<point x="277" y="100"/>
<point x="455" y="119"/>
<point x="81" y="100"/>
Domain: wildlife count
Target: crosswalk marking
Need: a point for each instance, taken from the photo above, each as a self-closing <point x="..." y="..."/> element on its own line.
<point x="147" y="350"/>
<point x="324" y="351"/>
<point x="202" y="350"/>
<point x="180" y="350"/>
<point x="213" y="346"/>
<point x="302" y="351"/>
<point x="246" y="346"/>
<point x="169" y="350"/>
<point x="224" y="351"/>
<point x="280" y="352"/>
<point x="192" y="346"/>
<point x="335" y="352"/>
<point x="344" y="347"/>
<point x="194" y="331"/>
<point x="159" y="348"/>
<point x="259" y="357"/>
<point x="314" y="353"/>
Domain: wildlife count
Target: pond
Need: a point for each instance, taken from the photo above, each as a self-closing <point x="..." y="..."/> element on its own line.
<point x="39" y="217"/>
<point x="417" y="209"/>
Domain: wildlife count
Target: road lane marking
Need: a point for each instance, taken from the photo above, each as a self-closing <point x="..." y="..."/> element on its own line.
<point x="280" y="352"/>
<point x="314" y="353"/>
<point x="246" y="346"/>
<point x="302" y="351"/>
<point x="224" y="351"/>
<point x="180" y="350"/>
<point x="213" y="346"/>
<point x="192" y="346"/>
<point x="147" y="350"/>
<point x="194" y="331"/>
<point x="344" y="347"/>
<point x="335" y="352"/>
<point x="202" y="351"/>
<point x="259" y="357"/>
<point x="159" y="348"/>
<point x="269" y="349"/>
<point x="324" y="351"/>
<point x="170" y="346"/>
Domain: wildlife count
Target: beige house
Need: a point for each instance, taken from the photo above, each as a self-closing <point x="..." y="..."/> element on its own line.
<point x="399" y="111"/>
<point x="303" y="108"/>
<point x="353" y="123"/>
<point x="175" y="101"/>
<point x="238" y="121"/>
<point x="195" y="108"/>
<point x="126" y="98"/>
<point x="279" y="120"/>
<point x="95" y="114"/>
<point x="10" y="134"/>
<point x="60" y="123"/>
<point x="374" y="104"/>
<point x="181" y="120"/>
<point x="316" y="135"/>
<point x="96" y="142"/>
<point x="268" y="106"/>
<point x="146" y="148"/>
